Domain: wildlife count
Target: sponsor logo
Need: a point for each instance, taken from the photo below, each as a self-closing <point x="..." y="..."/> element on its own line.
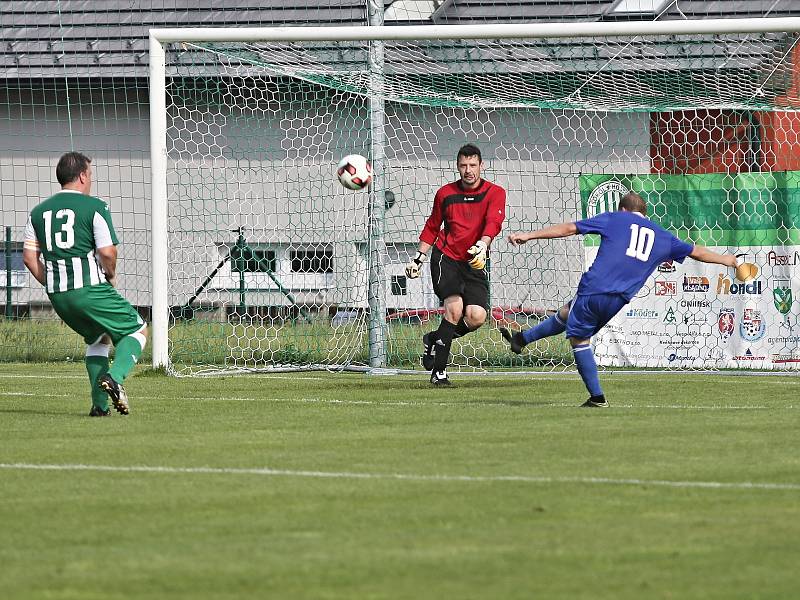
<point x="681" y="340"/>
<point x="642" y="313"/>
<point x="726" y="286"/>
<point x="695" y="303"/>
<point x="628" y="357"/>
<point x="784" y="339"/>
<point x="726" y="323"/>
<point x="782" y="359"/>
<point x="695" y="284"/>
<point x="746" y="273"/>
<point x="667" y="267"/>
<point x="689" y="318"/>
<point x="752" y="327"/>
<point x="605" y="198"/>
<point x="775" y="259"/>
<point x="692" y="318"/>
<point x="748" y="355"/>
<point x="666" y="288"/>
<point x="782" y="297"/>
<point x="650" y="332"/>
<point x="676" y="357"/>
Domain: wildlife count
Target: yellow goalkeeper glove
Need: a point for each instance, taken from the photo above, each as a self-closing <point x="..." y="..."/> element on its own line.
<point x="478" y="252"/>
<point x="413" y="268"/>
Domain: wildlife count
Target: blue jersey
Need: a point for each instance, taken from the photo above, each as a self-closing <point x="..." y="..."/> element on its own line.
<point x="631" y="248"/>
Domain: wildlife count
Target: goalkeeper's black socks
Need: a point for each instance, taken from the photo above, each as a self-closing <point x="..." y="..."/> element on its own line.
<point x="461" y="329"/>
<point x="444" y="339"/>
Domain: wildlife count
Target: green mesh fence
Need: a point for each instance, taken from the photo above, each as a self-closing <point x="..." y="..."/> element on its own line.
<point x="255" y="131"/>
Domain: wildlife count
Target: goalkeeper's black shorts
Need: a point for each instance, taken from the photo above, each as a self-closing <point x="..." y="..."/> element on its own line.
<point x="455" y="278"/>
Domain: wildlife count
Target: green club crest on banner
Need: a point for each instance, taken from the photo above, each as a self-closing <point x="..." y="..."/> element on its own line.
<point x="605" y="197"/>
<point x="782" y="296"/>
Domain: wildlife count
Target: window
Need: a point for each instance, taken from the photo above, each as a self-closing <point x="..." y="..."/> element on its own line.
<point x="18" y="271"/>
<point x="399" y="285"/>
<point x="313" y="260"/>
<point x="650" y="7"/>
<point x="253" y="260"/>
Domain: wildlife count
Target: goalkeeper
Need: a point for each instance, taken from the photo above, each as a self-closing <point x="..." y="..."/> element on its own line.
<point x="467" y="214"/>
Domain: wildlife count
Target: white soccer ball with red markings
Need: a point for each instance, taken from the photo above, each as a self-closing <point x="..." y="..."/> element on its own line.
<point x="354" y="172"/>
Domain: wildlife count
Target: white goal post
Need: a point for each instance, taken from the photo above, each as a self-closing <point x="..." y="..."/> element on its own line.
<point x="508" y="39"/>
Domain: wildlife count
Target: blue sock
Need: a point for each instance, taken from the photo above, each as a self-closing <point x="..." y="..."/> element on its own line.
<point x="587" y="367"/>
<point x="552" y="326"/>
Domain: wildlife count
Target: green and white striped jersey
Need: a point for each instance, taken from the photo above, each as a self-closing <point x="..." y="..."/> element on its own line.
<point x="67" y="228"/>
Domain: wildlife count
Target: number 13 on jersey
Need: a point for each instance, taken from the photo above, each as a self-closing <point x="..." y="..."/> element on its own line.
<point x="65" y="236"/>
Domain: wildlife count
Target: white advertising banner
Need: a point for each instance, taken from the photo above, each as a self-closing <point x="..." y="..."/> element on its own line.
<point x="705" y="316"/>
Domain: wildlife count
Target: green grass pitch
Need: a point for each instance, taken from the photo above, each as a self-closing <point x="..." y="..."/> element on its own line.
<point x="317" y="485"/>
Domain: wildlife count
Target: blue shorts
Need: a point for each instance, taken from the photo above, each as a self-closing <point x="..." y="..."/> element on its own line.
<point x="589" y="314"/>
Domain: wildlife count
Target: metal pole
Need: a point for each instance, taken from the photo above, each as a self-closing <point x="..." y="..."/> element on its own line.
<point x="8" y="272"/>
<point x="487" y="31"/>
<point x="240" y="264"/>
<point x="377" y="203"/>
<point x="158" y="215"/>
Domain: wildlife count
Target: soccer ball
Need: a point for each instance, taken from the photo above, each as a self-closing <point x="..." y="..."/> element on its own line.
<point x="354" y="172"/>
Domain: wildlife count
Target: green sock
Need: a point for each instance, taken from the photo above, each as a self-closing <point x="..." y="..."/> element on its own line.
<point x="96" y="366"/>
<point x="126" y="353"/>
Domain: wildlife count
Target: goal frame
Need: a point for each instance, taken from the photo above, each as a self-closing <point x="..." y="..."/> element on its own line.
<point x="372" y="33"/>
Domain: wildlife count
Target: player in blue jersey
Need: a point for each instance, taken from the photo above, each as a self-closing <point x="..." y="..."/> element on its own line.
<point x="631" y="247"/>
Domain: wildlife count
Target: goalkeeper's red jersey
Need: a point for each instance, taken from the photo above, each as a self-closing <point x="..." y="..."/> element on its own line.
<point x="461" y="217"/>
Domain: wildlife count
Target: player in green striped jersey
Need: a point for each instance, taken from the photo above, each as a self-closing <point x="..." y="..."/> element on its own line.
<point x="71" y="249"/>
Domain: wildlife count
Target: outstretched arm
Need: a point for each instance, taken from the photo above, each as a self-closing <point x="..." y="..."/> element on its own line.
<point x="705" y="255"/>
<point x="554" y="231"/>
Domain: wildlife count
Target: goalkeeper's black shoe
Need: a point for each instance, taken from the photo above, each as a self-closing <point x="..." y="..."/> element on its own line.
<point x="439" y="378"/>
<point x="428" y="357"/>
<point x="595" y="402"/>
<point x="99" y="412"/>
<point x="116" y="392"/>
<point x="516" y="341"/>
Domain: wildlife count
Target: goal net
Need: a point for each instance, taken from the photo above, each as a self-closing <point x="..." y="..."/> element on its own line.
<point x="267" y="262"/>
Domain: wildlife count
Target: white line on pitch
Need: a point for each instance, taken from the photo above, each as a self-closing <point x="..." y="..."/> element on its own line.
<point x="265" y="471"/>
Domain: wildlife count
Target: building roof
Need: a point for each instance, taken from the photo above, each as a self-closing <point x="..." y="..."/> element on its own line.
<point x="108" y="38"/>
<point x="544" y="11"/>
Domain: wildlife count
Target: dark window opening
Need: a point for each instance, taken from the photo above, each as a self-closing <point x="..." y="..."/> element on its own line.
<point x="15" y="251"/>
<point x="253" y="261"/>
<point x="399" y="285"/>
<point x="312" y="261"/>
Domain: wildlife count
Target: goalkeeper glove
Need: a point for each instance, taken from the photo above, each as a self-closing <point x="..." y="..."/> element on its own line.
<point x="478" y="252"/>
<point x="413" y="268"/>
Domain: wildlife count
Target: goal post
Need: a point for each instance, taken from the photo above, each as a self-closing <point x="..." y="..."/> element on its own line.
<point x="247" y="124"/>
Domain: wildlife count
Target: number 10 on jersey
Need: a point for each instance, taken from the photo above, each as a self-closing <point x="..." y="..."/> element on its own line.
<point x="641" y="244"/>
